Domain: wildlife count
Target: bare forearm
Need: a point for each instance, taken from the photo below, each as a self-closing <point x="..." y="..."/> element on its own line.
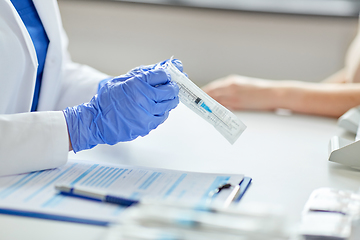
<point x="327" y="99"/>
<point x="332" y="97"/>
<point x="338" y="77"/>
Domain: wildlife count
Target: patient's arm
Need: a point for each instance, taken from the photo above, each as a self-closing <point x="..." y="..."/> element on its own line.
<point x="338" y="77"/>
<point x="329" y="98"/>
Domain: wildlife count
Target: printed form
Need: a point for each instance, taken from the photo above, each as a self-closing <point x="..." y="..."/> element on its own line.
<point x="34" y="193"/>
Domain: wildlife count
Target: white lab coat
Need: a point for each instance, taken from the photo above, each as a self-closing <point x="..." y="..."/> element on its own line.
<point x="34" y="141"/>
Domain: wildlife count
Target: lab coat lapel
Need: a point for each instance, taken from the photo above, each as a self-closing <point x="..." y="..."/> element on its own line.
<point x="49" y="17"/>
<point x="16" y="20"/>
<point x="22" y="80"/>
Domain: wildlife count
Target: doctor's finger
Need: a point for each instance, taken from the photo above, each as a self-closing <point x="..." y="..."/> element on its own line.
<point x="176" y="62"/>
<point x="167" y="91"/>
<point x="160" y="108"/>
<point x="157" y="120"/>
<point x="154" y="77"/>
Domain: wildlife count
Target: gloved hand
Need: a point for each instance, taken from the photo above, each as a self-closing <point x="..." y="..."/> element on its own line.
<point x="177" y="63"/>
<point x="123" y="109"/>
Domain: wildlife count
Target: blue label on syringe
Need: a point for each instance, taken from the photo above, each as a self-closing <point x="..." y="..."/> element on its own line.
<point x="204" y="106"/>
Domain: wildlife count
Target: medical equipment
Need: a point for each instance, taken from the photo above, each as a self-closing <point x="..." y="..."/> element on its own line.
<point x="229" y="125"/>
<point x="350" y="120"/>
<point x="330" y="214"/>
<point x="325" y="226"/>
<point x="342" y="150"/>
<point x="162" y="221"/>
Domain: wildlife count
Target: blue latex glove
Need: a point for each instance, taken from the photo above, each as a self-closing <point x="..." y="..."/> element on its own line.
<point x="123" y="109"/>
<point x="177" y="63"/>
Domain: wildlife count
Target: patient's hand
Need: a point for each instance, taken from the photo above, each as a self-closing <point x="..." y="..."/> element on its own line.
<point x="240" y="93"/>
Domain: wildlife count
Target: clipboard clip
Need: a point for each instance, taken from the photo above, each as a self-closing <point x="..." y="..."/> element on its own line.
<point x="230" y="198"/>
<point x="221" y="187"/>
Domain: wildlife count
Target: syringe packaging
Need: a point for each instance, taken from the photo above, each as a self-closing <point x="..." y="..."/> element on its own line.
<point x="202" y="104"/>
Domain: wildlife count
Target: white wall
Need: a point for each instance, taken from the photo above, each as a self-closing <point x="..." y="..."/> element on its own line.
<point x="115" y="37"/>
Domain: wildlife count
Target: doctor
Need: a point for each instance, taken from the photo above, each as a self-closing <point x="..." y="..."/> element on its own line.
<point x="50" y="105"/>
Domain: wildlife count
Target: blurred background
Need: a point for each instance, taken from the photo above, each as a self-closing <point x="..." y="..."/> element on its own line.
<point x="274" y="39"/>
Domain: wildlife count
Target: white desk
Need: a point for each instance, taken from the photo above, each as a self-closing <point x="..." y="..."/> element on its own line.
<point x="285" y="155"/>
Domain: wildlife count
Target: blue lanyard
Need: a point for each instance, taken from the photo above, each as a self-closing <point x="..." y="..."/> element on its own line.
<point x="31" y="19"/>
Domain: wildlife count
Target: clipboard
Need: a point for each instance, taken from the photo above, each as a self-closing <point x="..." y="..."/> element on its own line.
<point x="89" y="170"/>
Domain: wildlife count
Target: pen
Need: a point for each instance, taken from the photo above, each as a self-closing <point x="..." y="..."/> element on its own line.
<point x="99" y="195"/>
<point x="232" y="196"/>
<point x="93" y="194"/>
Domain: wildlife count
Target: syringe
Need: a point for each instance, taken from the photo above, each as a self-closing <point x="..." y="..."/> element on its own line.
<point x="217" y="115"/>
